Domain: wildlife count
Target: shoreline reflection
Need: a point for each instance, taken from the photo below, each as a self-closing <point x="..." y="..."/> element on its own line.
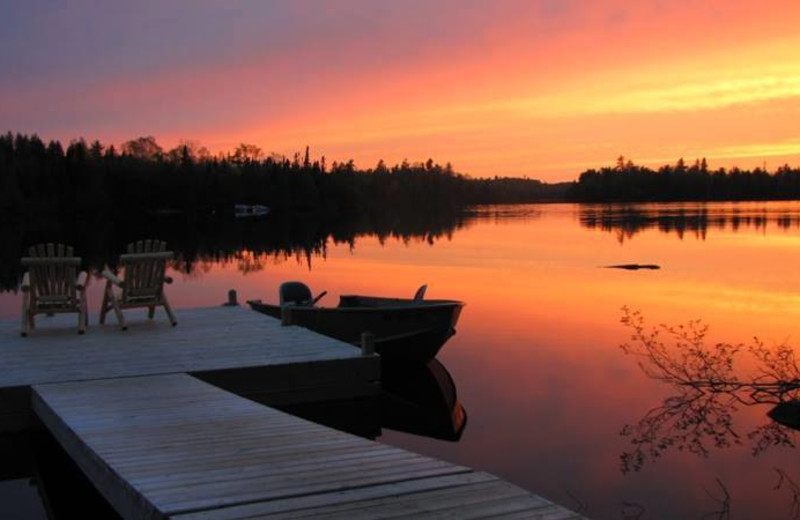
<point x="201" y="243"/>
<point x="253" y="245"/>
<point x="682" y="219"/>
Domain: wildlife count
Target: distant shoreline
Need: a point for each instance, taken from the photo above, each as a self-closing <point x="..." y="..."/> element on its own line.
<point x="92" y="180"/>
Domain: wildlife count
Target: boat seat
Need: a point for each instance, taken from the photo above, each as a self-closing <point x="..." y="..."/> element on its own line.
<point x="294" y="293"/>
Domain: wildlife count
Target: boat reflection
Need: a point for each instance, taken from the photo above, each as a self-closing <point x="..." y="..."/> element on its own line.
<point x="421" y="399"/>
<point x="415" y="398"/>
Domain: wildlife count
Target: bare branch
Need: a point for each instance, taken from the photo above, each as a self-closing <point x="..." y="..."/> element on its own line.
<point x="794" y="489"/>
<point x="724" y="512"/>
<point x="708" y="391"/>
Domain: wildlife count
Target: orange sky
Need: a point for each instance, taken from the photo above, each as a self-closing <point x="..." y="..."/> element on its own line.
<point x="538" y="88"/>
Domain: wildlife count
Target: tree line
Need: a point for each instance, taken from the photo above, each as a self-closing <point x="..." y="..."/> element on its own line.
<point x="90" y="179"/>
<point x="628" y="182"/>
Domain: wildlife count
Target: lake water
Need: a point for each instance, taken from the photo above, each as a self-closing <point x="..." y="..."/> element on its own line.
<point x="537" y="359"/>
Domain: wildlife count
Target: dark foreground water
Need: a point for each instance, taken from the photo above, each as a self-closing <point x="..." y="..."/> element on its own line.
<point x="537" y="361"/>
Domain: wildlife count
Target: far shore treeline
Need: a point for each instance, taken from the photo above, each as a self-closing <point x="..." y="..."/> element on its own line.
<point x="45" y="180"/>
<point x="628" y="182"/>
<point x="99" y="198"/>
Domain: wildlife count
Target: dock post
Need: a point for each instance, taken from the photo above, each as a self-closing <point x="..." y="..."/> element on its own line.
<point x="367" y="344"/>
<point x="286" y="315"/>
<point x="232" y="299"/>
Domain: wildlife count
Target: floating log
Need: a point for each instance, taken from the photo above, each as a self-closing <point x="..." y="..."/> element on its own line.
<point x="633" y="267"/>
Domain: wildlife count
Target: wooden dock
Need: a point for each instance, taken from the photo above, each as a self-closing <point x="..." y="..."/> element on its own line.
<point x="147" y="416"/>
<point x="175" y="447"/>
<point x="231" y="347"/>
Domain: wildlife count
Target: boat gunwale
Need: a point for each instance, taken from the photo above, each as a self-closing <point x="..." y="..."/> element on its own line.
<point x="427" y="304"/>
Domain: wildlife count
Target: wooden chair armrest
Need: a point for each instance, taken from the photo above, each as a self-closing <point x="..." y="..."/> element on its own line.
<point x="168" y="279"/>
<point x="26" y="282"/>
<point x="111" y="277"/>
<point x="83" y="277"/>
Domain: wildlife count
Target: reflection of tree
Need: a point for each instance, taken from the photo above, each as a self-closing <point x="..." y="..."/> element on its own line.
<point x="626" y="221"/>
<point x="724" y="501"/>
<point x="249" y="262"/>
<point x="199" y="244"/>
<point x="631" y="511"/>
<point x="794" y="489"/>
<point x="709" y="389"/>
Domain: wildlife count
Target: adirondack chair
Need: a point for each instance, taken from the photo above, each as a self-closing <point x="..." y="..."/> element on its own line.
<point x="52" y="284"/>
<point x="144" y="266"/>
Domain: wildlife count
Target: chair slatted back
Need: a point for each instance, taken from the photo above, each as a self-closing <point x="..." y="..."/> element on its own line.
<point x="145" y="267"/>
<point x="53" y="269"/>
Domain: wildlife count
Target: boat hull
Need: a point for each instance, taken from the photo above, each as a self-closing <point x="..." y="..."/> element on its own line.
<point x="404" y="329"/>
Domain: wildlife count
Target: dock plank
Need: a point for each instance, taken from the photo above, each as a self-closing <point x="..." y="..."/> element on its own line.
<point x="149" y="417"/>
<point x="206" y="339"/>
<point x="154" y="450"/>
<point x="320" y="502"/>
<point x="234" y="348"/>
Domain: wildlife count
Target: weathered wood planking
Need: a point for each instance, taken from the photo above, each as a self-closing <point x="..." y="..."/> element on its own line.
<point x="172" y="446"/>
<point x="232" y="347"/>
<point x="206" y="339"/>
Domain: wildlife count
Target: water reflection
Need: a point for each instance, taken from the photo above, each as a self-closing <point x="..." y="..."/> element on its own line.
<point x="252" y="245"/>
<point x="708" y="387"/>
<point x="507" y="212"/>
<point x="421" y="399"/>
<point x="38" y="481"/>
<point x="416" y="398"/>
<point x="536" y="360"/>
<point x="200" y="244"/>
<point x="695" y="219"/>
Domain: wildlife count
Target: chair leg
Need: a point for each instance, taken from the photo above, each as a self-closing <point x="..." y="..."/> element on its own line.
<point x="151" y="311"/>
<point x="115" y="305"/>
<point x="104" y="306"/>
<point x="82" y="318"/>
<point x="25" y="320"/>
<point x="120" y="318"/>
<point x="168" y="310"/>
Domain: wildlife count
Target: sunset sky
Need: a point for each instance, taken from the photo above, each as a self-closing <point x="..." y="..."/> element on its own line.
<point x="502" y="87"/>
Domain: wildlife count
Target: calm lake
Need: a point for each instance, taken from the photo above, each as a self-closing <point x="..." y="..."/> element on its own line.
<point x="537" y="360"/>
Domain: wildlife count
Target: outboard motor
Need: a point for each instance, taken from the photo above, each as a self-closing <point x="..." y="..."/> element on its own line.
<point x="294" y="293"/>
<point x="297" y="293"/>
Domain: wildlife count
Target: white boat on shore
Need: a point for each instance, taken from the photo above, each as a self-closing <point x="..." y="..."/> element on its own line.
<point x="250" y="210"/>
